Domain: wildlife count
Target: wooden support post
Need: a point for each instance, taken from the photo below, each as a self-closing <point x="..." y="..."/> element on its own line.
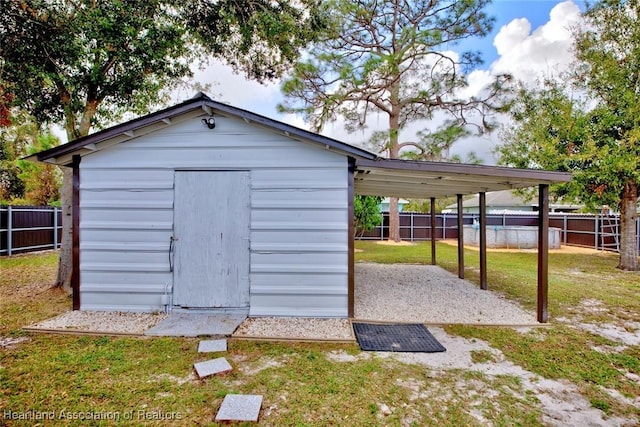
<point x="460" y="239"/>
<point x="433" y="231"/>
<point x="543" y="253"/>
<point x="75" y="218"/>
<point x="350" y="237"/>
<point x="483" y="240"/>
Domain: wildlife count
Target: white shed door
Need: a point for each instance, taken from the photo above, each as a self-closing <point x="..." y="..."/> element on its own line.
<point x="211" y="253"/>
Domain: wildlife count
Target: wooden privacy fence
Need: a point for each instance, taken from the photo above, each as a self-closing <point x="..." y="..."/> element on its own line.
<point x="29" y="228"/>
<point x="592" y="231"/>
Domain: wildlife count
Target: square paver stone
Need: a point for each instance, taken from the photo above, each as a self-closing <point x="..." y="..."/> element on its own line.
<point x="240" y="407"/>
<point x="210" y="346"/>
<point x="210" y="367"/>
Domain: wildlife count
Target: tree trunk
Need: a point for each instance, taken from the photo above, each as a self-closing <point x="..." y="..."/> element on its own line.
<point x="65" y="266"/>
<point x="628" y="232"/>
<point x="65" y="261"/>
<point x="394" y="220"/>
<point x="394" y="153"/>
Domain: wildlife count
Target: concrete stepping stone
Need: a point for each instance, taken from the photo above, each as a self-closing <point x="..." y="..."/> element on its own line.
<point x="210" y="367"/>
<point x="240" y="407"/>
<point x="210" y="346"/>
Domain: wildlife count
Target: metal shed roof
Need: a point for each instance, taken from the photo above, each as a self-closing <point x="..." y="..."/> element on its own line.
<point x="415" y="179"/>
<point x="191" y="108"/>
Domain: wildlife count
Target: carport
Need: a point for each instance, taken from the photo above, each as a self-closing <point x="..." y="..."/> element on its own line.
<point x="433" y="180"/>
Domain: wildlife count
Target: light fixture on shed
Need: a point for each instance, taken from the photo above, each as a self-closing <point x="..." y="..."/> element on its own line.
<point x="210" y="122"/>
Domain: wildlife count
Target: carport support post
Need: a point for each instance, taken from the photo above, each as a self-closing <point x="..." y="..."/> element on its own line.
<point x="75" y="237"/>
<point x="483" y="240"/>
<point x="460" y="239"/>
<point x="433" y="231"/>
<point x="350" y="237"/>
<point x="543" y="253"/>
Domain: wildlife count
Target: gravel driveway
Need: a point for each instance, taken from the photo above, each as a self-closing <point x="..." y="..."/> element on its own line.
<point x="429" y="294"/>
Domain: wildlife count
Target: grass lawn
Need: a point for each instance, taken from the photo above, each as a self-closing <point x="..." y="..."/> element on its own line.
<point x="151" y="381"/>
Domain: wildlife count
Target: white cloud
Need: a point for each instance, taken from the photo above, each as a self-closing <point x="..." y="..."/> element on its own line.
<point x="546" y="51"/>
<point x="528" y="56"/>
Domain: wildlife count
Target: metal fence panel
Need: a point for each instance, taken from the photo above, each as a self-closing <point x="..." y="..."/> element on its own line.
<point x="592" y="231"/>
<point x="29" y="228"/>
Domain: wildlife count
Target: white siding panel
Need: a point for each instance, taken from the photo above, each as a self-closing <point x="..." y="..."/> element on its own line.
<point x="294" y="280"/>
<point x="298" y="233"/>
<point x="125" y="257"/>
<point x="97" y="177"/>
<point x="336" y="174"/>
<point x="143" y="214"/>
<point x="290" y="258"/>
<point x="127" y="279"/>
<point x="292" y="237"/>
<point x="297" y="248"/>
<point x="299" y="268"/>
<point x="124" y="236"/>
<point x="87" y="247"/>
<point x="125" y="199"/>
<point x="299" y="199"/>
<point x="118" y="301"/>
<point x="294" y="216"/>
<point x="196" y="159"/>
<point x="299" y="305"/>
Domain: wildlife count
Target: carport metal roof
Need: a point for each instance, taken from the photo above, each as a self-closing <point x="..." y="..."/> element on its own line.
<point x="422" y="180"/>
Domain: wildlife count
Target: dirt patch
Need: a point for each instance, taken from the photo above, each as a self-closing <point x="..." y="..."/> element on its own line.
<point x="7" y="342"/>
<point x="560" y="401"/>
<point x="261" y="365"/>
<point x="191" y="378"/>
<point x="628" y="335"/>
<point x="30" y="291"/>
<point x="563" y="249"/>
<point x="392" y="243"/>
<point x="624" y="332"/>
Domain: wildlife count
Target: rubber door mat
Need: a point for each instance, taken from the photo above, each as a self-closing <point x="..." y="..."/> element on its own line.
<point x="400" y="338"/>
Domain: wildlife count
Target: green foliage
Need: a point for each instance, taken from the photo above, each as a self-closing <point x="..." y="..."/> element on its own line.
<point x="41" y="181"/>
<point x="14" y="139"/>
<point x="422" y="205"/>
<point x="86" y="63"/>
<point x="366" y="213"/>
<point x="386" y="58"/>
<point x="22" y="182"/>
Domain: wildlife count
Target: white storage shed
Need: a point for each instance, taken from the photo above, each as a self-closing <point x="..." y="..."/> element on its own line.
<point x="204" y="206"/>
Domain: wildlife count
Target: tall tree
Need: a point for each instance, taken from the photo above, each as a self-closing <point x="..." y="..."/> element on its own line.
<point x="594" y="132"/>
<point x="84" y="63"/>
<point x="392" y="58"/>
